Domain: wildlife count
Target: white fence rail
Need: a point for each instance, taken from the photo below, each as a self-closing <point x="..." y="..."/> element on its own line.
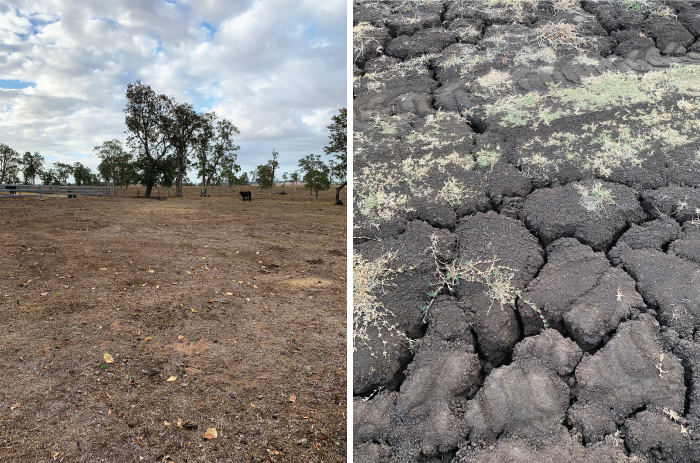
<point x="16" y="191"/>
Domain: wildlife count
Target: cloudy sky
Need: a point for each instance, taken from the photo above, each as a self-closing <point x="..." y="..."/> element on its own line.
<point x="275" y="68"/>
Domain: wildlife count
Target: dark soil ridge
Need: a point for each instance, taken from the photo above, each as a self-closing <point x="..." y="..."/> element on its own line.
<point x="609" y="253"/>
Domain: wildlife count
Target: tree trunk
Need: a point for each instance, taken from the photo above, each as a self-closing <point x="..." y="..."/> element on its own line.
<point x="178" y="184"/>
<point x="338" y="202"/>
<point x="317" y="193"/>
<point x="149" y="187"/>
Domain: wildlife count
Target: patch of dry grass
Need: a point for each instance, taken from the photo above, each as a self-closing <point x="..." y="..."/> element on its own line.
<point x="371" y="278"/>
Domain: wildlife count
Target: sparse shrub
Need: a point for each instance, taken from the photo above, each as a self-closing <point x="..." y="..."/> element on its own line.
<point x="369" y="280"/>
<point x="488" y="158"/>
<point x="595" y="198"/>
<point x="494" y="82"/>
<point x="558" y="34"/>
<point x="497" y="279"/>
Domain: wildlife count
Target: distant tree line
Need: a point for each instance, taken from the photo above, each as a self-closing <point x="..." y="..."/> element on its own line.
<point x="165" y="139"/>
<point x="31" y="167"/>
<point x="316" y="174"/>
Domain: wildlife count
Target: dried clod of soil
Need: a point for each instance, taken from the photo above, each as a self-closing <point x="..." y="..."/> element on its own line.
<point x="551" y="350"/>
<point x="565" y="449"/>
<point x="438" y="379"/>
<point x="422" y="42"/>
<point x="681" y="203"/>
<point x="668" y="283"/>
<point x="401" y="300"/>
<point x="661" y="436"/>
<point x="629" y="373"/>
<point x="493" y="236"/>
<point x="371" y="452"/>
<point x="373" y="418"/>
<point x="517" y="257"/>
<point x="447" y="320"/>
<point x="579" y="293"/>
<point x="687" y="246"/>
<point x="592" y="212"/>
<point x="655" y="234"/>
<point x="521" y="399"/>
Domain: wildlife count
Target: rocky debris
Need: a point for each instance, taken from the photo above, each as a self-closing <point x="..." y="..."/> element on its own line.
<point x="630" y="372"/>
<point x="655" y="234"/>
<point x="667" y="283"/>
<point x="427" y="409"/>
<point x="373" y="418"/>
<point x="680" y="203"/>
<point x="593" y="212"/>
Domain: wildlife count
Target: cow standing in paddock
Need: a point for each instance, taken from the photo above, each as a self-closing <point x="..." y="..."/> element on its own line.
<point x="12" y="188"/>
<point x="246" y="194"/>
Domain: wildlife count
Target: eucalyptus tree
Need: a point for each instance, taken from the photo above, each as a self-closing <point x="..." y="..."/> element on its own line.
<point x="32" y="164"/>
<point x="316" y="173"/>
<point x="182" y="126"/>
<point x="63" y="171"/>
<point x="338" y="147"/>
<point x="145" y="111"/>
<point x="9" y="164"/>
<point x="215" y="150"/>
<point x="117" y="164"/>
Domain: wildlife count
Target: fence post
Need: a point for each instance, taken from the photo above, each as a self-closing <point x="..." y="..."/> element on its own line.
<point x="19" y="189"/>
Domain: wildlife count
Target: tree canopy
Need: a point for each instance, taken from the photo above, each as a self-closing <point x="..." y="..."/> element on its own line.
<point x="338" y="147"/>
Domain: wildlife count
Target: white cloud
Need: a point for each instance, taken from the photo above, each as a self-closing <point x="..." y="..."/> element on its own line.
<point x="275" y="68"/>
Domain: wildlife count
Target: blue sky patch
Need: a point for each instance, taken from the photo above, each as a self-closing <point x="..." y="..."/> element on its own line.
<point x="209" y="28"/>
<point x="15" y="84"/>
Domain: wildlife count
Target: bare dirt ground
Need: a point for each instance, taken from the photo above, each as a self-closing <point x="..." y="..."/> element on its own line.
<point x="242" y="303"/>
<point x="527" y="231"/>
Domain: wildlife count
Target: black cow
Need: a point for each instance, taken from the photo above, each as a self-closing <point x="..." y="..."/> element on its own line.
<point x="12" y="188"/>
<point x="246" y="194"/>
